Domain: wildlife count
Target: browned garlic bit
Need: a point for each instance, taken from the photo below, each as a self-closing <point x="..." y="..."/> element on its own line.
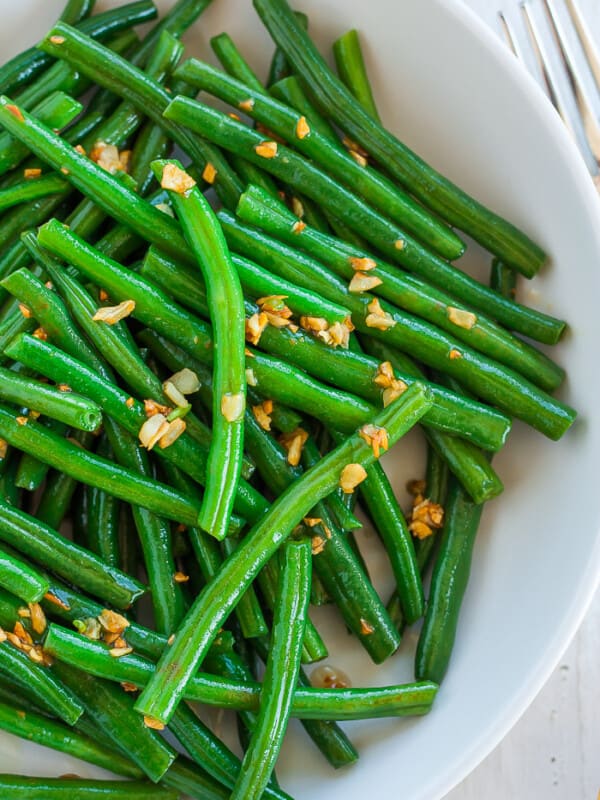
<point x="32" y="173"/>
<point x="109" y="158"/>
<point x="266" y="149"/>
<point x="376" y="437"/>
<point x="277" y="313"/>
<point x="57" y="601"/>
<point x="461" y="318"/>
<point x="363" y="264"/>
<point x="297" y="207"/>
<point x="359" y="158"/>
<point x="335" y="335"/>
<point x="302" y="128"/>
<point x="22" y="420"/>
<point x="329" y="677"/>
<point x="294" y="442"/>
<point x="425" y="516"/>
<point x="22" y="640"/>
<point x="454" y="354"/>
<point x="176" y="428"/>
<point x="129" y="687"/>
<point x="361" y="282"/>
<point x="155" y="724"/>
<point x="119" y="652"/>
<point x="3" y="448"/>
<point x="38" y="618"/>
<point x="365" y="627"/>
<point x="209" y="173"/>
<point x="153" y="430"/>
<point x="181" y="577"/>
<point x="246" y="105"/>
<point x="174" y="395"/>
<point x="40" y="334"/>
<point x="262" y="414"/>
<point x="255" y="325"/>
<point x="351" y="476"/>
<point x="113" y="622"/>
<point x="299" y="226"/>
<point x="233" y="406"/>
<point x="113" y="314"/>
<point x="317" y="545"/>
<point x="392" y="386"/>
<point x="151" y="407"/>
<point x="25" y="311"/>
<point x="377" y="317"/>
<point x="176" y="179"/>
<point x="251" y="378"/>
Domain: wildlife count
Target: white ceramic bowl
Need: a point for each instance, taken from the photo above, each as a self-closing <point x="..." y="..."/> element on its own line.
<point x="456" y="96"/>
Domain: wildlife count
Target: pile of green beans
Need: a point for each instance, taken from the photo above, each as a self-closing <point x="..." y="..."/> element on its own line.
<point x="211" y="329"/>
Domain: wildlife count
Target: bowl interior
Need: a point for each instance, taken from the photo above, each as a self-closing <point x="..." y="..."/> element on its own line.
<point x="449" y="90"/>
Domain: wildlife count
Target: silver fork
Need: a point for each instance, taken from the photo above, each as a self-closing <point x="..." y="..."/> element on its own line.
<point x="552" y="40"/>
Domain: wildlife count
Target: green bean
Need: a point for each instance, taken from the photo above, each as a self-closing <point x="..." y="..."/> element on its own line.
<point x="23" y="217"/>
<point x="448" y="585"/>
<point x="111" y="709"/>
<point x="208" y="751"/>
<point x="486" y="378"/>
<point x="28" y="190"/>
<point x="380" y="500"/>
<point x="251" y="174"/>
<point x="279" y="67"/>
<point x="89" y="468"/>
<point x="31" y="471"/>
<point x="420" y="179"/>
<point x="290" y="91"/>
<point x="283" y="665"/>
<point x="503" y="279"/>
<point x="118" y="75"/>
<point x="40" y="683"/>
<point x="408" y="293"/>
<point x="376" y="190"/>
<point x="176" y="21"/>
<point x="189" y="779"/>
<point x="342" y="515"/>
<point x="352" y="71"/>
<point x="248" y="610"/>
<point x="177" y="279"/>
<point x="33" y="727"/>
<point x="226" y="307"/>
<point x="308" y="703"/>
<point x="155" y="538"/>
<point x="470" y="466"/>
<point x="114" y="401"/>
<point x="45" y="546"/>
<point x="233" y="62"/>
<point x="21" y="579"/>
<point x="103" y="517"/>
<point x="436" y="487"/>
<point x="59" y="490"/>
<point x="26" y="788"/>
<point x="24" y="67"/>
<point x="199" y="627"/>
<point x="74" y="410"/>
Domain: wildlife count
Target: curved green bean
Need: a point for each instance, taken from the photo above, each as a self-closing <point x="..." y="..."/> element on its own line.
<point x="352" y="71"/>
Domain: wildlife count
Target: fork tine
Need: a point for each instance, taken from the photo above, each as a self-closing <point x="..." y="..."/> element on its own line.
<point x="576" y="58"/>
<point x="515" y="32"/>
<point x="586" y="37"/>
<point x="562" y="91"/>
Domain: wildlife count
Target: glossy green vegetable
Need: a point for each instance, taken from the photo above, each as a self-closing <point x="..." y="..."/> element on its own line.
<point x="212" y="606"/>
<point x="226" y="308"/>
<point x="19" y="787"/>
<point x="454" y="205"/>
<point x="352" y="71"/>
<point x="281" y="673"/>
<point x="21" y="579"/>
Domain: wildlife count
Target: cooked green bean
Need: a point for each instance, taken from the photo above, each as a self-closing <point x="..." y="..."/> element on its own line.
<point x="377" y="191"/>
<point x="407" y="292"/>
<point x="308" y="703"/>
<point x="281" y="673"/>
<point x="40" y="683"/>
<point x="46" y="547"/>
<point x="27" y="190"/>
<point x="21" y="579"/>
<point x="102" y="534"/>
<point x="199" y="627"/>
<point x="21" y="787"/>
<point x="111" y="709"/>
<point x="33" y="727"/>
<point x="72" y="409"/>
<point x="90" y="468"/>
<point x="226" y="308"/>
<point x="290" y="91"/>
<point x="59" y="489"/>
<point x="233" y="62"/>
<point x="352" y="71"/>
<point x="32" y="471"/>
<point x="123" y="78"/>
<point x="26" y="66"/>
<point x="279" y="67"/>
<point x="420" y="179"/>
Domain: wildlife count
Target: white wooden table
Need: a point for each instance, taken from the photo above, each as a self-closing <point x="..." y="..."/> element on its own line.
<point x="553" y="752"/>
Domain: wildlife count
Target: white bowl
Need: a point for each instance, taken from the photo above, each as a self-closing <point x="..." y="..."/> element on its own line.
<point x="452" y="92"/>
